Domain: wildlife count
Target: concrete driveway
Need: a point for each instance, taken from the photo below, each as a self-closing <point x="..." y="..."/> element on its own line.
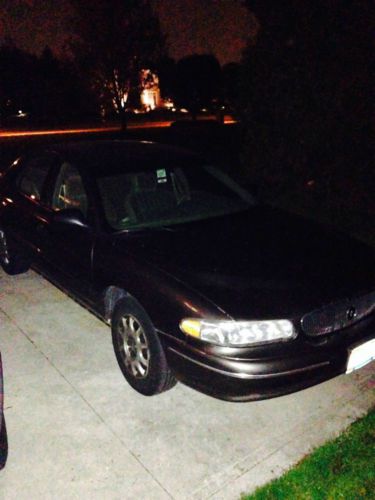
<point x="77" y="430"/>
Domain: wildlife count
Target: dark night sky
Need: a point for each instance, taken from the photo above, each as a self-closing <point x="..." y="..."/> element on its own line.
<point x="220" y="27"/>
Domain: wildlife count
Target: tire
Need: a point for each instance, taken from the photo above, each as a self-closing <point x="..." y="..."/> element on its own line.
<point x="138" y="349"/>
<point x="10" y="260"/>
<point x="3" y="444"/>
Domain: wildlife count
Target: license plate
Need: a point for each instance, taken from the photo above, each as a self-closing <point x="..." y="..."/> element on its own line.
<point x="361" y="356"/>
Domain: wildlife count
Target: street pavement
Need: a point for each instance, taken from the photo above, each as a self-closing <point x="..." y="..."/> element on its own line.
<point x="77" y="430"/>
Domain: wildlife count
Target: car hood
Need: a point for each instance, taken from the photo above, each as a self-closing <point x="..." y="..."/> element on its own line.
<point x="260" y="263"/>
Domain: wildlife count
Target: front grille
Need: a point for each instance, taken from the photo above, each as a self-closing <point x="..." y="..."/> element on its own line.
<point x="338" y="315"/>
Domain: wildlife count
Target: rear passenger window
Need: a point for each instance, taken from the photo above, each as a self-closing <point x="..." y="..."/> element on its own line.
<point x="31" y="179"/>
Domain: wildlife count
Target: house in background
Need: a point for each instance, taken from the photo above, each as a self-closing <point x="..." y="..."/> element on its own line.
<point x="150" y="93"/>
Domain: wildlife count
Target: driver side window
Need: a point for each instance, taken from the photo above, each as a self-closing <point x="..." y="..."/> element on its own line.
<point x="69" y="191"/>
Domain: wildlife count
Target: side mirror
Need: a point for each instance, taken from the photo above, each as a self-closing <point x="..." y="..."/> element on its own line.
<point x="70" y="216"/>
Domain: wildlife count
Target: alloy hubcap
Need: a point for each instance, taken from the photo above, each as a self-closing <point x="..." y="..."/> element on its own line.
<point x="4" y="253"/>
<point x="134" y="344"/>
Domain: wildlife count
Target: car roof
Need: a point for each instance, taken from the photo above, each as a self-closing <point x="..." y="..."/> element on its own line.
<point x="105" y="155"/>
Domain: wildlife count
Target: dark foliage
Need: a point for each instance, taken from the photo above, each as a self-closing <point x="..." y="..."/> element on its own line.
<point x="306" y="96"/>
<point x="230" y="82"/>
<point x="16" y="70"/>
<point x="167" y="77"/>
<point x="198" y="82"/>
<point x="40" y="90"/>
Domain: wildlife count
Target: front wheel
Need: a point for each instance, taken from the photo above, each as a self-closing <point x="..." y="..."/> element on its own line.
<point x="11" y="261"/>
<point x="138" y="350"/>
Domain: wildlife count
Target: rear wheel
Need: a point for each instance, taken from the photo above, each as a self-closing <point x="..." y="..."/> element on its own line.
<point x="138" y="350"/>
<point x="10" y="260"/>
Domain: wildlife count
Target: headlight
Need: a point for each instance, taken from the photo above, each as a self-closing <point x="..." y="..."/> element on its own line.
<point x="239" y="333"/>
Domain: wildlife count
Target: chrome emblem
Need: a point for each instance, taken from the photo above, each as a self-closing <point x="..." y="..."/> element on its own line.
<point x="351" y="313"/>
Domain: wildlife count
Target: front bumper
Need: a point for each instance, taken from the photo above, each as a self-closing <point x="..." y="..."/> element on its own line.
<point x="249" y="374"/>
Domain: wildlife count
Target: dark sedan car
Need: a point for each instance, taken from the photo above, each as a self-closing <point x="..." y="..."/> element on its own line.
<point x="3" y="430"/>
<point x="199" y="283"/>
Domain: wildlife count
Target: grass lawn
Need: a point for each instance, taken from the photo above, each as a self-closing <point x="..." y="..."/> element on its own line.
<point x="341" y="469"/>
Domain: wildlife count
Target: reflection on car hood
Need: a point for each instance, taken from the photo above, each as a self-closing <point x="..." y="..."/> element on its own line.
<point x="261" y="260"/>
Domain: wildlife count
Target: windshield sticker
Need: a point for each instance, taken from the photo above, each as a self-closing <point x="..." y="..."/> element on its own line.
<point x="161" y="175"/>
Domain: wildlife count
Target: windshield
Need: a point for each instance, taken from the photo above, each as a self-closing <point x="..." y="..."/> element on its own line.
<point x="168" y="196"/>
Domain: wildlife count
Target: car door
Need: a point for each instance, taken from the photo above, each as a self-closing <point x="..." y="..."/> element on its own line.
<point x="68" y="246"/>
<point x="24" y="209"/>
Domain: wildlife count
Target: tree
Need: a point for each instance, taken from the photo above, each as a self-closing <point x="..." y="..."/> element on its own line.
<point x="230" y="82"/>
<point x="48" y="88"/>
<point x="115" y="40"/>
<point x="198" y="79"/>
<point x="167" y="77"/>
<point x="306" y="89"/>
